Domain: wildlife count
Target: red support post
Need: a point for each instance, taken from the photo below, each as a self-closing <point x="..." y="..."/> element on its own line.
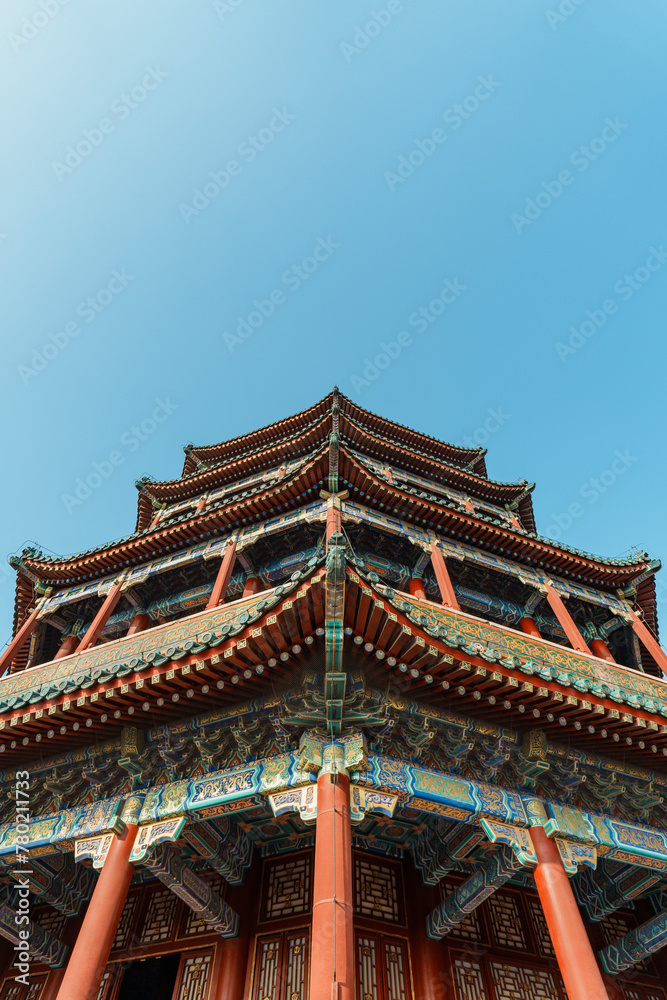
<point x="224" y="576"/>
<point x="332" y="957"/>
<point x="139" y="623"/>
<point x="334" y="520"/>
<point x="416" y="588"/>
<point x="99" y="621"/>
<point x="447" y="595"/>
<point x="90" y="954"/>
<point x="252" y="585"/>
<point x="600" y="649"/>
<point x="233" y="953"/>
<point x="67" y="646"/>
<point x="566" y="622"/>
<point x="648" y="640"/>
<point x="528" y="626"/>
<point x="576" y="958"/>
<point x="428" y="956"/>
<point x="19" y="640"/>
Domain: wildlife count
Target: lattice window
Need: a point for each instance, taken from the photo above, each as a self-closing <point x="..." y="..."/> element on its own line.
<point x="614" y="926"/>
<point x="105" y="984"/>
<point x="288" y="888"/>
<point x="35" y="989"/>
<point x="51" y="921"/>
<point x="469" y="929"/>
<point x="540" y="929"/>
<point x="469" y="978"/>
<point x="396" y="970"/>
<point x="268" y="969"/>
<point x="122" y="938"/>
<point x="506" y="921"/>
<point x="513" y="982"/>
<point x="11" y="991"/>
<point x="193" y="923"/>
<point x="368" y="968"/>
<point x="297" y="967"/>
<point x="195" y="972"/>
<point x="159" y="919"/>
<point x="376" y="890"/>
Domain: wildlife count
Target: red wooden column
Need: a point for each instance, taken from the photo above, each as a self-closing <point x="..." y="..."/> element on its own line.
<point x="576" y="959"/>
<point x="252" y="585"/>
<point x="647" y="639"/>
<point x="332" y="948"/>
<point x="447" y="595"/>
<point x="20" y="639"/>
<point x="566" y="622"/>
<point x="600" y="649"/>
<point x="528" y="626"/>
<point x="140" y="622"/>
<point x="99" y="621"/>
<point x="416" y="588"/>
<point x="89" y="957"/>
<point x="232" y="953"/>
<point x="224" y="575"/>
<point x="67" y="646"/>
<point x="334" y="520"/>
<point x="428" y="956"/>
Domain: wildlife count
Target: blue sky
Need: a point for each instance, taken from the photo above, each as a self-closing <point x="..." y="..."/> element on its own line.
<point x="211" y="212"/>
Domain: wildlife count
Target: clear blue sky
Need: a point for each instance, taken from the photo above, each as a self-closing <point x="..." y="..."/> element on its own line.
<point x="514" y="151"/>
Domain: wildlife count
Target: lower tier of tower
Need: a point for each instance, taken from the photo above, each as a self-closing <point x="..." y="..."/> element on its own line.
<point x="163" y="950"/>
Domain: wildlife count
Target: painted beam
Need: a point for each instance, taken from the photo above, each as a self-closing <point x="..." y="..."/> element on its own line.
<point x="42" y="945"/>
<point x="166" y="863"/>
<point x="226" y="847"/>
<point x="635" y="946"/>
<point x="437" y="851"/>
<point x="453" y="910"/>
<point x="610" y="891"/>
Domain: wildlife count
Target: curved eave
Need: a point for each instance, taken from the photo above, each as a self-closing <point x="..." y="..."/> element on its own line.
<point x="467" y="482"/>
<point x="287" y="495"/>
<point x="177" y="490"/>
<point x="403" y="436"/>
<point x="440" y="450"/>
<point x="235" y="448"/>
<point x="371" y="491"/>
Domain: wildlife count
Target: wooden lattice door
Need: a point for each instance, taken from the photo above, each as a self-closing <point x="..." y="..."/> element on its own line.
<point x="383" y="968"/>
<point x="281" y="966"/>
<point x="17" y="991"/>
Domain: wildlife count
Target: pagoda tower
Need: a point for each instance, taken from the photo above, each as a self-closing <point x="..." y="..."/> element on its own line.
<point x="333" y="723"/>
